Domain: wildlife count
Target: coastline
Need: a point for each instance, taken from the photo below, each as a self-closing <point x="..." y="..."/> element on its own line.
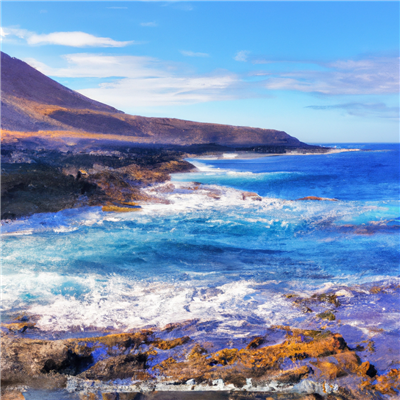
<point x="238" y="155"/>
<point x="339" y="346"/>
<point x="167" y="359"/>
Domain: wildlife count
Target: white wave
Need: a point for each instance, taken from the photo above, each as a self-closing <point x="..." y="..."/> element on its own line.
<point x="121" y="304"/>
<point x="241" y="307"/>
<point x="211" y="170"/>
<point x="188" y="198"/>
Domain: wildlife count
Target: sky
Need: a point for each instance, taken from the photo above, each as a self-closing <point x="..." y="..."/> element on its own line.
<point x="324" y="72"/>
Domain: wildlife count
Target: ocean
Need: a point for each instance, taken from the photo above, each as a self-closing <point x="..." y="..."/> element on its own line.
<point x="222" y="261"/>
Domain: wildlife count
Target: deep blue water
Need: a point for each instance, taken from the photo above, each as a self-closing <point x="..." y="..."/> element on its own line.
<point x="227" y="259"/>
<point x="364" y="175"/>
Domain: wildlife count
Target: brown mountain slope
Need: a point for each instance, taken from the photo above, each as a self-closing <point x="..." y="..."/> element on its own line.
<point x="35" y="104"/>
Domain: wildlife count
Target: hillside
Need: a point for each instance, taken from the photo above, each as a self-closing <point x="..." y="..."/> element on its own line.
<point x="33" y="103"/>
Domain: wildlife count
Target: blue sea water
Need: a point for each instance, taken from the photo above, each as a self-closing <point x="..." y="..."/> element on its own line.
<point x="209" y="255"/>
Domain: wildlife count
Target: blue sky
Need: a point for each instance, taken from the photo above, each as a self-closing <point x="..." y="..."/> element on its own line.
<point x="321" y="71"/>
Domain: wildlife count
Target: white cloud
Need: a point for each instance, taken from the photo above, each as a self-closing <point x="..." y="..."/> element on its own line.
<point x="241" y="55"/>
<point x="145" y="81"/>
<point x="138" y="81"/>
<point x="343" y="77"/>
<point x="72" y="39"/>
<point x="380" y="110"/>
<point x="194" y="54"/>
<point x="149" y="24"/>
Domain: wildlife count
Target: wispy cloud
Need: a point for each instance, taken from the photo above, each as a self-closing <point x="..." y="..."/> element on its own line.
<point x="241" y="55"/>
<point x="363" y="109"/>
<point x="149" y="24"/>
<point x="71" y="39"/>
<point x="178" y="5"/>
<point x="146" y="81"/>
<point x="194" y="54"/>
<point x="344" y="77"/>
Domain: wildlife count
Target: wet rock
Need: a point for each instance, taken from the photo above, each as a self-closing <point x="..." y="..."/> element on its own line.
<point x="328" y="315"/>
<point x="197" y="352"/>
<point x="388" y="384"/>
<point x="293" y="376"/>
<point x="19" y="326"/>
<point x="26" y="359"/>
<point x="170" y="344"/>
<point x="112" y="208"/>
<point x="256" y="342"/>
<point x="120" y="367"/>
<point x="45" y="362"/>
<point x="315" y="355"/>
<point x="57" y="181"/>
<point x="12" y="395"/>
<point x="327" y="298"/>
<point x="316" y="198"/>
<point x="213" y="196"/>
<point x="251" y="196"/>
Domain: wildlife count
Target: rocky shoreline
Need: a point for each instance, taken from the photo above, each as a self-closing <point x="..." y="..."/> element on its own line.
<point x="285" y="362"/>
<point x="320" y="358"/>
<point x="39" y="177"/>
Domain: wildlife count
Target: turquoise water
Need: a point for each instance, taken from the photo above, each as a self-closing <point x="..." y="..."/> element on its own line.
<point x="224" y="262"/>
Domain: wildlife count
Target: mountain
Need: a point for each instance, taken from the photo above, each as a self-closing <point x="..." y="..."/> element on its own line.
<point x="34" y="103"/>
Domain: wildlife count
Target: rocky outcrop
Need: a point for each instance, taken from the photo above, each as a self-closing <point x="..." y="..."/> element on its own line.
<point x="299" y="366"/>
<point x="52" y="181"/>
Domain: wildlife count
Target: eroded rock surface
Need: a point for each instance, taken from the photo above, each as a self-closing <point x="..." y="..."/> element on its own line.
<point x="306" y="363"/>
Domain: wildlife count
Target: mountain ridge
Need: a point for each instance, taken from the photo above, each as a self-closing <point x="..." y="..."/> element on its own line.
<point x="32" y="102"/>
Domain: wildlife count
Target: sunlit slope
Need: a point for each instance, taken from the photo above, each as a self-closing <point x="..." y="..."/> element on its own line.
<point x="32" y="102"/>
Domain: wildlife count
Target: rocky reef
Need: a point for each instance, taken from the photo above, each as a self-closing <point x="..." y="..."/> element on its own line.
<point x="282" y="363"/>
<point x="38" y="180"/>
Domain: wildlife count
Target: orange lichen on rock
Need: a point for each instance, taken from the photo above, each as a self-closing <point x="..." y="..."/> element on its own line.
<point x="119" y="209"/>
<point x="388" y="384"/>
<point x="18" y="326"/>
<point x="328" y="370"/>
<point x="328" y="315"/>
<point x="257" y="362"/>
<point x="170" y="344"/>
<point x="377" y="289"/>
<point x="119" y="339"/>
<point x="256" y="342"/>
<point x="12" y="395"/>
<point x="196" y="352"/>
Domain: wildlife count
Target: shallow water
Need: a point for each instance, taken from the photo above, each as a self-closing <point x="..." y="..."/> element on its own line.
<point x="224" y="263"/>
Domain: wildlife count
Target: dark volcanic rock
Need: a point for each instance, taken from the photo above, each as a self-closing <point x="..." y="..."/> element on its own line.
<point x="119" y="367"/>
<point x="27" y="361"/>
<point x="54" y="181"/>
<point x="90" y="363"/>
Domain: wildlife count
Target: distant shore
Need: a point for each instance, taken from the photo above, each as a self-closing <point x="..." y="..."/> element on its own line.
<point x="245" y="155"/>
